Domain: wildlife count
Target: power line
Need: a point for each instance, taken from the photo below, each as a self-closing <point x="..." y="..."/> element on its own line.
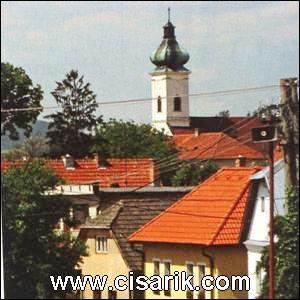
<point x="142" y="100"/>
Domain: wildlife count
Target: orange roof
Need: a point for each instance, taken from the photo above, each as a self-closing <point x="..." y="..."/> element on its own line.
<point x="212" y="145"/>
<point x="138" y="172"/>
<point x="212" y="214"/>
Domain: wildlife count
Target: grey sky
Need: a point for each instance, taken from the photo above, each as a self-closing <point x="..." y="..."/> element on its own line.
<point x="231" y="45"/>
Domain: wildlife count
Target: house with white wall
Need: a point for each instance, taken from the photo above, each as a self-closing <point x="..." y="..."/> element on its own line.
<point x="258" y="230"/>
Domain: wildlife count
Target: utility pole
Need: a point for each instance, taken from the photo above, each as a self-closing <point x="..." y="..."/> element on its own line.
<point x="271" y="222"/>
<point x="290" y="129"/>
<point x="268" y="134"/>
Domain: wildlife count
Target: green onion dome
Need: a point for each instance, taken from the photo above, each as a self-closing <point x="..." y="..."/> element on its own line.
<point x="169" y="54"/>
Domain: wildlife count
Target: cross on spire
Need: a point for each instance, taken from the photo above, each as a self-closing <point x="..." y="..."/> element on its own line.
<point x="169" y="12"/>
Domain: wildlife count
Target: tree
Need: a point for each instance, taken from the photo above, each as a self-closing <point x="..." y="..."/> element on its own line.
<point x="119" y="139"/>
<point x="193" y="172"/>
<point x="32" y="250"/>
<point x="286" y="253"/>
<point x="18" y="92"/>
<point x="69" y="130"/>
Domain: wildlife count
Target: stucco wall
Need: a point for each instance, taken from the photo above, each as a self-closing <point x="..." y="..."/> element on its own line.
<point x="229" y="261"/>
<point x="110" y="263"/>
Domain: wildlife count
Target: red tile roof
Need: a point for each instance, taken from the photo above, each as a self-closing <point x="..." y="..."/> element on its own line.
<point x="138" y="172"/>
<point x="236" y="127"/>
<point x="213" y="145"/>
<point x="212" y="214"/>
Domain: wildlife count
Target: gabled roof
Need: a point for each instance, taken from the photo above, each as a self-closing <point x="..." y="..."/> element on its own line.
<point x="212" y="214"/>
<point x="264" y="173"/>
<point x="127" y="215"/>
<point x="236" y="127"/>
<point x="130" y="172"/>
<point x="105" y="219"/>
<point x="213" y="145"/>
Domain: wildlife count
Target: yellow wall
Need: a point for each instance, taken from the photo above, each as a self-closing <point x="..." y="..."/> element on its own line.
<point x="110" y="263"/>
<point x="229" y="261"/>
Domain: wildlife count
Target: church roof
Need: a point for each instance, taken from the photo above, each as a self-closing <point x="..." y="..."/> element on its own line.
<point x="169" y="55"/>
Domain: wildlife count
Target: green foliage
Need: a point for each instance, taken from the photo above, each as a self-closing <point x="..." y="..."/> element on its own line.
<point x="17" y="91"/>
<point x="286" y="252"/>
<point x="69" y="129"/>
<point x="193" y="172"/>
<point x="31" y="249"/>
<point x="119" y="139"/>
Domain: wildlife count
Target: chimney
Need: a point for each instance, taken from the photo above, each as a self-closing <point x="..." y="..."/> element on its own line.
<point x="240" y="161"/>
<point x="93" y="211"/>
<point x="69" y="162"/>
<point x="196" y="132"/>
<point x="100" y="161"/>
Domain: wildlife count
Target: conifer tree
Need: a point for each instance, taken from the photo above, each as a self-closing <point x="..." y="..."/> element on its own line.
<point x="70" y="129"/>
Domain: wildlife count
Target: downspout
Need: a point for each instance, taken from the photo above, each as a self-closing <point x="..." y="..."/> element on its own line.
<point x="211" y="267"/>
<point x="142" y="252"/>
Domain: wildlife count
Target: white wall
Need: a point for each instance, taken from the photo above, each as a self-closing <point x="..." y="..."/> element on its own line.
<point x="258" y="235"/>
<point x="168" y="85"/>
<point x="254" y="256"/>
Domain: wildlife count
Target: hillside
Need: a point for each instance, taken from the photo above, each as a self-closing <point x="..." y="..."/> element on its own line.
<point x="39" y="128"/>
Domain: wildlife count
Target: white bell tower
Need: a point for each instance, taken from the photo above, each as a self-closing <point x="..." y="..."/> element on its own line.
<point x="170" y="83"/>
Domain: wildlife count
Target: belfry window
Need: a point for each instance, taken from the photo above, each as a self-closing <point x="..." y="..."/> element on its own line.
<point x="177" y="104"/>
<point x="159" y="104"/>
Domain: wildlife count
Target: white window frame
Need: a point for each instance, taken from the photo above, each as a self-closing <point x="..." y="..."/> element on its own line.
<point x="198" y="267"/>
<point x="98" y="246"/>
<point x="168" y="261"/>
<point x="156" y="260"/>
<point x="186" y="265"/>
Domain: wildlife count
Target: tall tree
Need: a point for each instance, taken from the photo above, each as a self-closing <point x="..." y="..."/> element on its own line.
<point x="69" y="130"/>
<point x="286" y="252"/>
<point x="32" y="250"/>
<point x="18" y="92"/>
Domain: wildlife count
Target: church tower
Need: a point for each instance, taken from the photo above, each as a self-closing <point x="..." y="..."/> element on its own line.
<point x="170" y="83"/>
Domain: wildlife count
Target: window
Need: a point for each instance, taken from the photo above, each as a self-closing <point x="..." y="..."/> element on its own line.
<point x="177" y="104"/>
<point x="156" y="267"/>
<point x="159" y="104"/>
<point x="263" y="203"/>
<point x="112" y="295"/>
<point x="156" y="271"/>
<point x="101" y="244"/>
<point x="201" y="270"/>
<point x="97" y="294"/>
<point x="189" y="272"/>
<point x="167" y="266"/>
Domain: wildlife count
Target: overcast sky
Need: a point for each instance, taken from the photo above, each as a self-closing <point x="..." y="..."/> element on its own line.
<point x="231" y="45"/>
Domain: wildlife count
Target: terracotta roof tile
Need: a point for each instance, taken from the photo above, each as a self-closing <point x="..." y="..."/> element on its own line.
<point x="137" y="172"/>
<point x="212" y="214"/>
<point x="212" y="145"/>
<point x="236" y="127"/>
